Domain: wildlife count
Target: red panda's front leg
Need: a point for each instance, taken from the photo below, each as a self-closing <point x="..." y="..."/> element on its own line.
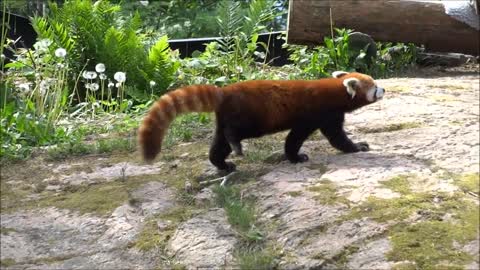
<point x="294" y="141"/>
<point x="334" y="132"/>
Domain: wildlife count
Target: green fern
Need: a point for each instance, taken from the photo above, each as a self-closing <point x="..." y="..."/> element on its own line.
<point x="53" y="31"/>
<point x="160" y="68"/>
<point x="93" y="33"/>
<point x="230" y="22"/>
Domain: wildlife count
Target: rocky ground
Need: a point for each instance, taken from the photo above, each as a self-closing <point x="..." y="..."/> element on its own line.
<point x="410" y="203"/>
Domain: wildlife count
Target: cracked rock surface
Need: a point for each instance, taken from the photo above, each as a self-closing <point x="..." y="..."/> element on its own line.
<point x="426" y="127"/>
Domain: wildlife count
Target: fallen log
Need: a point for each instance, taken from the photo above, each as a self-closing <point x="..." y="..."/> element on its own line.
<point x="448" y="26"/>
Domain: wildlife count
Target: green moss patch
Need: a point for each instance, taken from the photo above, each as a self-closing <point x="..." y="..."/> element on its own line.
<point x="326" y="193"/>
<point x="152" y="237"/>
<point x="390" y="127"/>
<point x="99" y="199"/>
<point x="443" y="219"/>
<point x="295" y="193"/>
<point x="7" y="230"/>
<point x="429" y="244"/>
<point x="398" y="184"/>
<point x="468" y="183"/>
<point x="7" y="262"/>
<point x="13" y="196"/>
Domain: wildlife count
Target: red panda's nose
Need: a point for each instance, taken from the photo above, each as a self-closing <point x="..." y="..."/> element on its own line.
<point x="379" y="92"/>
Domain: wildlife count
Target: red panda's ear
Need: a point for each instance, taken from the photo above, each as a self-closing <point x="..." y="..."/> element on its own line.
<point x="339" y="74"/>
<point x="350" y="85"/>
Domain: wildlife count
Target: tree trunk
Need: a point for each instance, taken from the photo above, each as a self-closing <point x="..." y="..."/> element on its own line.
<point x="424" y="23"/>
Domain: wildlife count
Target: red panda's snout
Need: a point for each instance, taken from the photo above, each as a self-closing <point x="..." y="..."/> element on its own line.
<point x="363" y="87"/>
<point x="375" y="93"/>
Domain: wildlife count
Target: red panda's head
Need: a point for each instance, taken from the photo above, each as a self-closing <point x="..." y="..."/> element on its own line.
<point x="359" y="86"/>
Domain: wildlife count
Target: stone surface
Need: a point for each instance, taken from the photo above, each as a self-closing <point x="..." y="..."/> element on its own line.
<point x="443" y="138"/>
<point x="52" y="238"/>
<point x="205" y="241"/>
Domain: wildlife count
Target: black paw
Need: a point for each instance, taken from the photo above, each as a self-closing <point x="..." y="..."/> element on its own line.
<point x="228" y="168"/>
<point x="299" y="158"/>
<point x="362" y="146"/>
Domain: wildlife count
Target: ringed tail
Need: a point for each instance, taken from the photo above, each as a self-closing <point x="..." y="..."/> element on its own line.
<point x="194" y="98"/>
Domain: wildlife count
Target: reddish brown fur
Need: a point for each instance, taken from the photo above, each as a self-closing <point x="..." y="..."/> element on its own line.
<point x="273" y="105"/>
<point x="195" y="98"/>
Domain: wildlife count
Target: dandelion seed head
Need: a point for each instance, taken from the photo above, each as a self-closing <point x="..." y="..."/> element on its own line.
<point x="43" y="87"/>
<point x="144" y="3"/>
<point x="120" y="76"/>
<point x="60" y="52"/>
<point x="24" y="87"/>
<point x="118" y="85"/>
<point x="89" y="75"/>
<point x="100" y="68"/>
<point x="2" y="57"/>
<point x="152" y="83"/>
<point x="60" y="65"/>
<point x="102" y="76"/>
<point x="110" y="85"/>
<point x="88" y="85"/>
<point x="94" y="87"/>
<point x="42" y="45"/>
<point x="387" y="57"/>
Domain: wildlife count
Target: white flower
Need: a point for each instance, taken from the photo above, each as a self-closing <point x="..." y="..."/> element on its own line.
<point x="102" y="76"/>
<point x="120" y="76"/>
<point x="94" y="87"/>
<point x="42" y="45"/>
<point x="43" y="87"/>
<point x="110" y="85"/>
<point x="60" y="52"/>
<point x="152" y="83"/>
<point x="25" y="87"/>
<point x="100" y="68"/>
<point x="89" y="75"/>
<point x="144" y="3"/>
<point x="387" y="57"/>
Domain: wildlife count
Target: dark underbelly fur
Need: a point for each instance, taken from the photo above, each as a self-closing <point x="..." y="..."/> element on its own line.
<point x="232" y="129"/>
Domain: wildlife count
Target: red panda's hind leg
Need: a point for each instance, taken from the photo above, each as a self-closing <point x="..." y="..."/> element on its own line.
<point x="234" y="141"/>
<point x="219" y="151"/>
<point x="294" y="142"/>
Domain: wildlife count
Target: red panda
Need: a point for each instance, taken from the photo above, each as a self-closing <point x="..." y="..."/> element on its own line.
<point x="255" y="108"/>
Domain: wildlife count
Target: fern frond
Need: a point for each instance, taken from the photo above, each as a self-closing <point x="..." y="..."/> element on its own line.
<point x="229" y="22"/>
<point x="160" y="68"/>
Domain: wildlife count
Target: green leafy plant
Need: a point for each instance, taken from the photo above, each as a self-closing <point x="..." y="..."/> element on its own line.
<point x="336" y="54"/>
<point x="232" y="57"/>
<point x="95" y="33"/>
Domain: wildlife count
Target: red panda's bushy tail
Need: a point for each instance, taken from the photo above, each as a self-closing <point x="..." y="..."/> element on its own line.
<point x="195" y="98"/>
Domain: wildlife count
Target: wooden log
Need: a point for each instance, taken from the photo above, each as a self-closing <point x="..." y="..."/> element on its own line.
<point x="424" y="23"/>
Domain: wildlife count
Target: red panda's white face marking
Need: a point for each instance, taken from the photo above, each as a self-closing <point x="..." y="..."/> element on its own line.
<point x="361" y="86"/>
